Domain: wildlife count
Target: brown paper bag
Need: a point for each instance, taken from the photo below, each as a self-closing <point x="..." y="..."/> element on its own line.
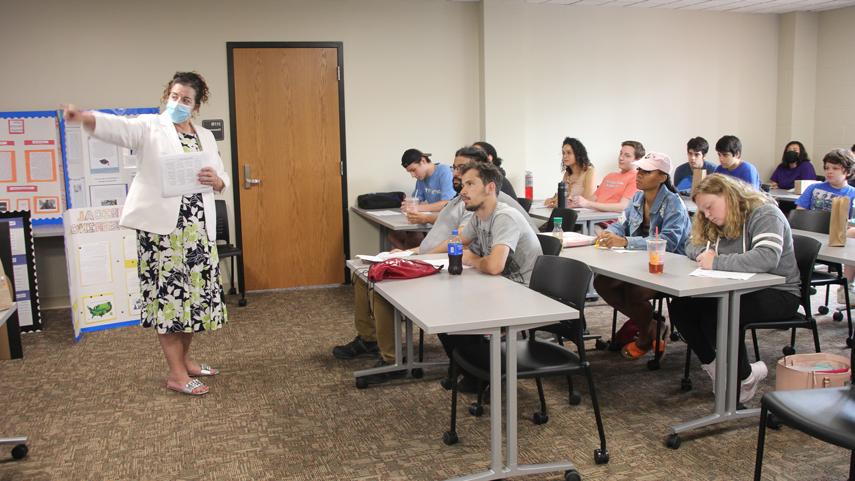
<point x="839" y="221"/>
<point x="697" y="176"/>
<point x="801" y="185"/>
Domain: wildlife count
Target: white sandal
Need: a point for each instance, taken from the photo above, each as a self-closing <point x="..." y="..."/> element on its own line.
<point x="204" y="370"/>
<point x="190" y="388"/>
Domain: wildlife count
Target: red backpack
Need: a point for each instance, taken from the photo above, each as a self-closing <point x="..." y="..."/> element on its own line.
<point x="400" y="269"/>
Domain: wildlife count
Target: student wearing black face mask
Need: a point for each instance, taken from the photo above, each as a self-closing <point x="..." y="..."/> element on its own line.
<point x="795" y="165"/>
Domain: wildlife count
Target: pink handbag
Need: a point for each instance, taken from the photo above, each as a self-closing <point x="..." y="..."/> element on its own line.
<point x="812" y="371"/>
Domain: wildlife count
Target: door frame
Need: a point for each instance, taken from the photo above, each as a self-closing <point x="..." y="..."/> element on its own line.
<point x="339" y="46"/>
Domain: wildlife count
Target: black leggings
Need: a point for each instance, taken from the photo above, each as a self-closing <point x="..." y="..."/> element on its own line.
<point x="695" y="317"/>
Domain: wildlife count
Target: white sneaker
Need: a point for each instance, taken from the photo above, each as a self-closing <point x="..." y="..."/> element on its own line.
<point x="749" y="386"/>
<point x="710" y="370"/>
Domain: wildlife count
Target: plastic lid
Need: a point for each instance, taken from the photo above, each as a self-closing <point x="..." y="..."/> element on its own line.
<point x="557" y="219"/>
<point x="454" y="232"/>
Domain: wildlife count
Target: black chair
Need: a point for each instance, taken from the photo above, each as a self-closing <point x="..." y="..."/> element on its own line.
<point x="225" y="249"/>
<point x="537" y="358"/>
<point x="806" y="249"/>
<point x="568" y="220"/>
<point x="825" y="414"/>
<point x="550" y="245"/>
<point x="817" y="221"/>
<point x="525" y="203"/>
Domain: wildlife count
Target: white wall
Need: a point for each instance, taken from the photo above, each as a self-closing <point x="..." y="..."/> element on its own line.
<point x="797" y="81"/>
<point x="835" y="82"/>
<point x="659" y="76"/>
<point x="411" y="68"/>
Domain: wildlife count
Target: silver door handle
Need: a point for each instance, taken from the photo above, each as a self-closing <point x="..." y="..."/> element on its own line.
<point x="248" y="181"/>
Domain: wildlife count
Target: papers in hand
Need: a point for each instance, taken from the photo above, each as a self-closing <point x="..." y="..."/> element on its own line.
<point x="722" y="274"/>
<point x="384" y="256"/>
<point x="179" y="174"/>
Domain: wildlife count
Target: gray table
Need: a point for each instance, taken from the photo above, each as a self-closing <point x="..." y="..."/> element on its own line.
<point x="841" y="255"/>
<point x="586" y="218"/>
<point x="435" y="303"/>
<point x="675" y="281"/>
<point x="389" y="223"/>
<point x="784" y="194"/>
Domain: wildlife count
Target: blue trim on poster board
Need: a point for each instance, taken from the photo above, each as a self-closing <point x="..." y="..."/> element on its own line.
<point x="28" y="114"/>
<point x="50" y="221"/>
<point x="132" y="322"/>
<point x="62" y="153"/>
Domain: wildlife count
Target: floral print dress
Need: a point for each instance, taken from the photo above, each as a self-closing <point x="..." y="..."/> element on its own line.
<point x="180" y="272"/>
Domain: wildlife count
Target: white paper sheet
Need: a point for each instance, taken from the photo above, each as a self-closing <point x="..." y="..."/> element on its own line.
<point x="721" y="274"/>
<point x="384" y="256"/>
<point x="42" y="168"/>
<point x="179" y="173"/>
<point x="73" y="152"/>
<point x="7" y="167"/>
<point x="107" y="195"/>
<point x="384" y="213"/>
<point x="103" y="157"/>
<point x="94" y="261"/>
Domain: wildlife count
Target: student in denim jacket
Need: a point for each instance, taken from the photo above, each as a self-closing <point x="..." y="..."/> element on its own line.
<point x="655" y="208"/>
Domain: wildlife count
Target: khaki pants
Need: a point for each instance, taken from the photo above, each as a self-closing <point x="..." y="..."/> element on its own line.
<point x="379" y="327"/>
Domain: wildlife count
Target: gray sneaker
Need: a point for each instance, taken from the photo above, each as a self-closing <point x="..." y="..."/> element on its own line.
<point x="357" y="348"/>
<point x="748" y="387"/>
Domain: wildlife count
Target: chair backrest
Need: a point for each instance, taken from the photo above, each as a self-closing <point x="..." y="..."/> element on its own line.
<point x="222" y="220"/>
<point x="550" y="245"/>
<point x="810" y="220"/>
<point x="568" y="220"/>
<point x="806" y="249"/>
<point x="563" y="279"/>
<point x="525" y="203"/>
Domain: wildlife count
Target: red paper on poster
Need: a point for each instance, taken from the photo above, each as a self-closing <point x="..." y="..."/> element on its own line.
<point x="38" y="142"/>
<point x="7" y="143"/>
<point x="22" y="188"/>
<point x="16" y="126"/>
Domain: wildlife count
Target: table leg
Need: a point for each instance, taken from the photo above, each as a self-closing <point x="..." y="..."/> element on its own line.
<point x="401" y="364"/>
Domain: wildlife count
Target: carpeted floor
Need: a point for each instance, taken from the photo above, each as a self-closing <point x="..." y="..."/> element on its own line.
<point x="284" y="409"/>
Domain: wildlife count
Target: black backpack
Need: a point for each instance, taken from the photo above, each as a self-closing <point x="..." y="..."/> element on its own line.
<point x="380" y="200"/>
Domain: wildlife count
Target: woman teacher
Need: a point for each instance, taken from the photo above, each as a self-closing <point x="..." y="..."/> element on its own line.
<point x="178" y="262"/>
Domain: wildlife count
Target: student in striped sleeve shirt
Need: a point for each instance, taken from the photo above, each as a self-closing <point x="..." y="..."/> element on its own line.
<point x="737" y="228"/>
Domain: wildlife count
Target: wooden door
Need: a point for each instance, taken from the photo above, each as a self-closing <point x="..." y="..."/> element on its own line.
<point x="287" y="133"/>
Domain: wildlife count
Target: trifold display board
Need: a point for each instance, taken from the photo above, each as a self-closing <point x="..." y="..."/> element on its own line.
<point x="30" y="166"/>
<point x="102" y="270"/>
<point x="23" y="268"/>
<point x="98" y="174"/>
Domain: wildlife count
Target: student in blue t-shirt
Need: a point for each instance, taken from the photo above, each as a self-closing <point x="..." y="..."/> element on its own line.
<point x="696" y="152"/>
<point x="434" y="182"/>
<point x="729" y="149"/>
<point x="837" y="166"/>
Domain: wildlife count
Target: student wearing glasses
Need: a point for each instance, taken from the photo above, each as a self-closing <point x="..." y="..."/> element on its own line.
<point x="656" y="209"/>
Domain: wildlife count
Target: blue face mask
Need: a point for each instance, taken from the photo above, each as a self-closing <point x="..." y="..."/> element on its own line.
<point x="179" y="113"/>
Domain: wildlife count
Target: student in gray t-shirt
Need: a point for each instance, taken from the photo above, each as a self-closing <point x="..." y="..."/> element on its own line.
<point x="499" y="239"/>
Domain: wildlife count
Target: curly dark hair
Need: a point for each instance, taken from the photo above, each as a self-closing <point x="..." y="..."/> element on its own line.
<point x="188" y="79"/>
<point x="803" y="155"/>
<point x="579" y="151"/>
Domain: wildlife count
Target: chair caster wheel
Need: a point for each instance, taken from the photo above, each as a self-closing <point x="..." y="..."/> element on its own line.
<point x="788" y="350"/>
<point x="417" y="373"/>
<point x="476" y="410"/>
<point x="449" y="438"/>
<point x="673" y="441"/>
<point x="540" y="418"/>
<point x="242" y="303"/>
<point x="572" y="475"/>
<point x="20" y="451"/>
<point x="837" y="316"/>
<point x="361" y="383"/>
<point x="675" y="336"/>
<point x="653" y="365"/>
<point x="685" y="384"/>
<point x="601" y="456"/>
<point x="772" y="422"/>
<point x="823" y="310"/>
<point x="446" y="384"/>
<point x="601" y="345"/>
<point x="574" y="399"/>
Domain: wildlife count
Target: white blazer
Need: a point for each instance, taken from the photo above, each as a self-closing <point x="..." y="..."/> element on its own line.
<point x="151" y="136"/>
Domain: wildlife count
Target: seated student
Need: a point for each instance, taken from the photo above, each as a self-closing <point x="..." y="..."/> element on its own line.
<point x="795" y="165"/>
<point x="433" y="189"/>
<point x="696" y="151"/>
<point x="578" y="172"/>
<point x="494" y="159"/>
<point x="729" y="149"/>
<point x="498" y="240"/>
<point x="614" y="192"/>
<point x="376" y="330"/>
<point x="656" y="207"/>
<point x="740" y="229"/>
<point x="837" y="166"/>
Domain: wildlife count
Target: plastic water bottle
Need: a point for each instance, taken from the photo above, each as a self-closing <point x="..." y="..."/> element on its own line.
<point x="562" y="196"/>
<point x="455" y="254"/>
<point x="558" y="230"/>
<point x="529" y="185"/>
